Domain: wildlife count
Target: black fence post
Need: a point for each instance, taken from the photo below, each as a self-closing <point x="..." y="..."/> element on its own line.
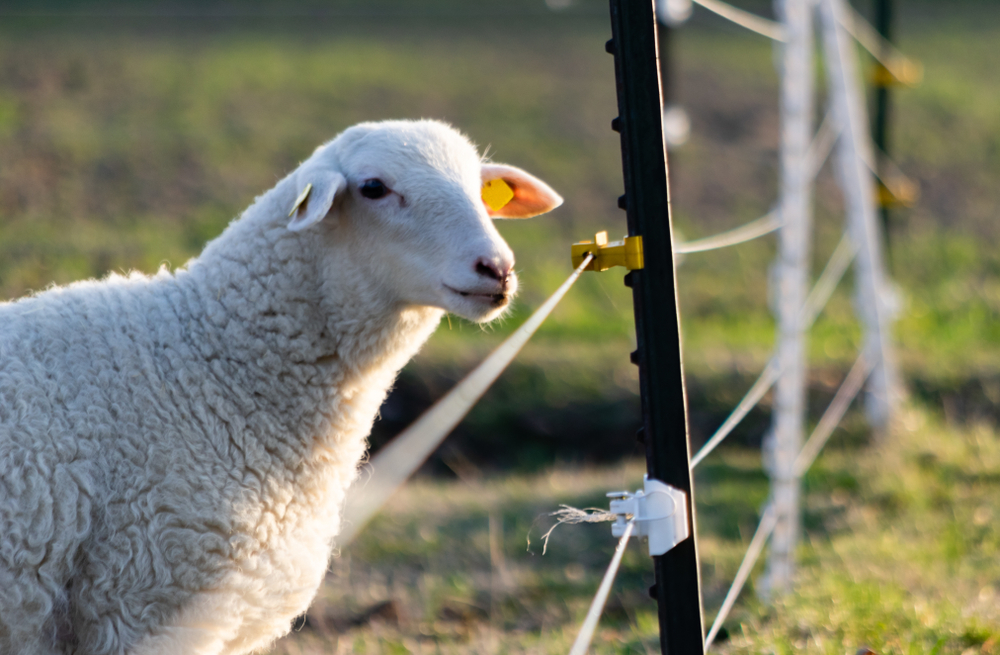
<point x="880" y="129"/>
<point x="668" y="83"/>
<point x="661" y="379"/>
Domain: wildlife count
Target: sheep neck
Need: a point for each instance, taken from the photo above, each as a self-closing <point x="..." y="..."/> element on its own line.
<point x="315" y="346"/>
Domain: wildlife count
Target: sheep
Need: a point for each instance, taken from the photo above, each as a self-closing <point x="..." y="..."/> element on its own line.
<point x="175" y="448"/>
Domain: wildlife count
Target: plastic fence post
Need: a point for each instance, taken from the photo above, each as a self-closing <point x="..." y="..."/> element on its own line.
<point x="874" y="296"/>
<point x="661" y="379"/>
<point x="791" y="282"/>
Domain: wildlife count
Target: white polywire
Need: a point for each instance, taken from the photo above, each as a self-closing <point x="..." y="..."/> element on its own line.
<point x="398" y="460"/>
<point x="828" y="280"/>
<point x="834" y="413"/>
<point x="877" y="45"/>
<point x="766" y="224"/>
<point x="764" y="529"/>
<point x="892" y="170"/>
<point x="586" y="634"/>
<point x="752" y="22"/>
<point x="890" y="176"/>
<point x="831" y="418"/>
<point x="821" y="434"/>
<point x="815" y="302"/>
<point x="757" y="391"/>
<point x="818" y="297"/>
<point x="821" y="146"/>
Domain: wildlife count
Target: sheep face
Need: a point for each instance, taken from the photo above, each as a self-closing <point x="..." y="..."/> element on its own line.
<point x="407" y="198"/>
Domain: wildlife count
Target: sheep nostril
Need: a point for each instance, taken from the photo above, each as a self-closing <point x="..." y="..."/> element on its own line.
<point x="490" y="270"/>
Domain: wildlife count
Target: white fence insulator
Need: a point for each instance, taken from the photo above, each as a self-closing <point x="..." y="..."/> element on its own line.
<point x="397" y="461"/>
<point x="764" y="530"/>
<point x="745" y="19"/>
<point x="673" y="13"/>
<point x="586" y="634"/>
<point x="659" y="511"/>
<point x="766" y="224"/>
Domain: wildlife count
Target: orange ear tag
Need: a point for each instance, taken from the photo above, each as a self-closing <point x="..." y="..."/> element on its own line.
<point x="496" y="194"/>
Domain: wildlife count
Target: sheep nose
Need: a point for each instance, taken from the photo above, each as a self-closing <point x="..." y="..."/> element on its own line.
<point x="492" y="270"/>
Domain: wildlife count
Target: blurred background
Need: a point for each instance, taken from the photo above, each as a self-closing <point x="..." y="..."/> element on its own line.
<point x="132" y="133"/>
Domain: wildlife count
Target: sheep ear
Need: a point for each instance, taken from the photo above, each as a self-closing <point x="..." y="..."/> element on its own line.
<point x="509" y="192"/>
<point x="317" y="192"/>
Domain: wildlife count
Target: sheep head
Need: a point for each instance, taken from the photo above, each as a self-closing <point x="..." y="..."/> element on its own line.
<point x="408" y="196"/>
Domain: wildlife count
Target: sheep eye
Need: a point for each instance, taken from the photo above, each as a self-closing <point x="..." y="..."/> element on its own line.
<point x="373" y="189"/>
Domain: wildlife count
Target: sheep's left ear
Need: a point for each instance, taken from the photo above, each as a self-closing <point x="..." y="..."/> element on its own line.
<point x="318" y="189"/>
<point x="509" y="192"/>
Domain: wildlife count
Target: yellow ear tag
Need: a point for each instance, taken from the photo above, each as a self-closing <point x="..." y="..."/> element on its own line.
<point x="301" y="199"/>
<point x="496" y="194"/>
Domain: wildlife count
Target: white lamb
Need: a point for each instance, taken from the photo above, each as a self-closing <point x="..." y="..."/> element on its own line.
<point x="174" y="449"/>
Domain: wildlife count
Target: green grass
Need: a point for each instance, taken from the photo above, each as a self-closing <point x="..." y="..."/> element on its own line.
<point x="899" y="554"/>
<point x="904" y="562"/>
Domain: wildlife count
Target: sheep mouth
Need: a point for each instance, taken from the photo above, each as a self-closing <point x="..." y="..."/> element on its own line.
<point x="497" y="299"/>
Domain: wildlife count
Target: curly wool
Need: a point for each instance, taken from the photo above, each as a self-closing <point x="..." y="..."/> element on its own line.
<point x="181" y="411"/>
<point x="175" y="449"/>
<point x="166" y="435"/>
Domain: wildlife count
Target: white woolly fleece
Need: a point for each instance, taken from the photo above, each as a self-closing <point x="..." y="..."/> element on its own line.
<point x="174" y="449"/>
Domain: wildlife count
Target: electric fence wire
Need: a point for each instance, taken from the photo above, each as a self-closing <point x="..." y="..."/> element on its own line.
<point x="766" y="224"/>
<point x="750" y="400"/>
<point x="901" y="67"/>
<point x="768" y="521"/>
<point x="745" y="19"/>
<point x="905" y="71"/>
<point x="819" y="151"/>
<point x="828" y="280"/>
<point x="815" y="301"/>
<point x="890" y="175"/>
<point x="398" y="460"/>
<point x="586" y="634"/>
<point x="831" y="418"/>
<point x="822" y="145"/>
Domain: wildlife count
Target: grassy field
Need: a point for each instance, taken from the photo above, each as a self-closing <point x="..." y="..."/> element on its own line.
<point x="128" y="142"/>
<point x="900" y="556"/>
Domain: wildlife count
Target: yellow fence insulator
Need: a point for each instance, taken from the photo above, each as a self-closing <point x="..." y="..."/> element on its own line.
<point x="627" y="253"/>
